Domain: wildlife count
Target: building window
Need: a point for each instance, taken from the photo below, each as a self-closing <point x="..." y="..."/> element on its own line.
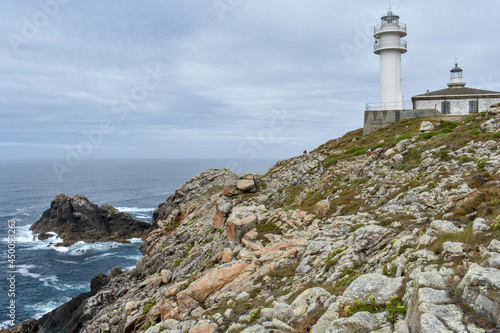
<point x="473" y="107"/>
<point x="445" y="108"/>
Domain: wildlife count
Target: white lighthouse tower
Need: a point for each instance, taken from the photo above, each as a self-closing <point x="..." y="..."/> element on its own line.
<point x="390" y="46"/>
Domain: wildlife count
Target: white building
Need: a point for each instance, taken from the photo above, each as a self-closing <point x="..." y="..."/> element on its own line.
<point x="457" y="99"/>
<point x="389" y="46"/>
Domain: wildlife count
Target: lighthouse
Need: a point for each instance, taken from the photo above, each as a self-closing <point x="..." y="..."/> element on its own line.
<point x="389" y="46"/>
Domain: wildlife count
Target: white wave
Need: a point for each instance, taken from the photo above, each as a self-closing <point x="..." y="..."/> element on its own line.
<point x="44" y="307"/>
<point x="68" y="262"/>
<point x="129" y="268"/>
<point x="143" y="216"/>
<point x="5" y="325"/>
<point x="135" y="210"/>
<point x="25" y="237"/>
<point x="94" y="258"/>
<point x="68" y="286"/>
<point x="132" y="257"/>
<point x="49" y="280"/>
<point x="23" y="270"/>
<point x="135" y="240"/>
<point x="82" y="247"/>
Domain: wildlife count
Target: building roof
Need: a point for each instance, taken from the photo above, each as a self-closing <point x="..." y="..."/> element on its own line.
<point x="456" y="69"/>
<point x="459" y="92"/>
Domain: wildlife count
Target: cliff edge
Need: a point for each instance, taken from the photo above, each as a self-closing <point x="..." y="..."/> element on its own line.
<point x="395" y="231"/>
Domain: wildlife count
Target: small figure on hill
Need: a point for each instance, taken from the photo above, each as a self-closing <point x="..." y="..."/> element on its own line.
<point x="305" y="153"/>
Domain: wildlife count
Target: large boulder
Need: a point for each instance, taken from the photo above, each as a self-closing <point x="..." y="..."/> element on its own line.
<point x="381" y="287"/>
<point x="211" y="282"/>
<point x="322" y="208"/>
<point x="481" y="290"/>
<point x="76" y="219"/>
<point x="311" y="300"/>
<point x="239" y="223"/>
<point x="426" y="126"/>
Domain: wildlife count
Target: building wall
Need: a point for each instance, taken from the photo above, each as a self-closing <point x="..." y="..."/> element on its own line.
<point x="457" y="106"/>
<point x="375" y="120"/>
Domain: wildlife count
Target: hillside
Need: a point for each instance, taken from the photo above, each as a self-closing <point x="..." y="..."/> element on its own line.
<point x="396" y="231"/>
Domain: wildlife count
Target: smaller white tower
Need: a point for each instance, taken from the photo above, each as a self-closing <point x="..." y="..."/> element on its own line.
<point x="389" y="46"/>
<point x="456" y="77"/>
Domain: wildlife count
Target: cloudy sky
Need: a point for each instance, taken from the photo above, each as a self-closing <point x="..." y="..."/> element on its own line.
<point x="239" y="79"/>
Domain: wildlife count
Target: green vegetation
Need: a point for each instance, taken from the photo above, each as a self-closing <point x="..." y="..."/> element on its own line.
<point x="444" y="155"/>
<point x="356" y="227"/>
<point x="284" y="272"/>
<point x="466" y="159"/>
<point x="390" y="272"/>
<point x="329" y="261"/>
<point x="207" y="240"/>
<point x="481" y="165"/>
<point x="496" y="225"/>
<point x="177" y="262"/>
<point x="268" y="228"/>
<point x="255" y="314"/>
<point x="393" y="307"/>
<point x="332" y="160"/>
<point x="148" y="306"/>
<point x="399" y="139"/>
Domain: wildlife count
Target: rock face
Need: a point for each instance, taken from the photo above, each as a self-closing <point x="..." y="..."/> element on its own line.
<point x="396" y="231"/>
<point x="76" y="219"/>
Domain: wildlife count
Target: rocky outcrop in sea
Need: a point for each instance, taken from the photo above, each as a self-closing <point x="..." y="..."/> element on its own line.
<point x="75" y="219"/>
<point x="396" y="231"/>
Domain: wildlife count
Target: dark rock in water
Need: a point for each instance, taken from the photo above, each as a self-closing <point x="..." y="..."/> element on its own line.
<point x="76" y="219"/>
<point x="45" y="235"/>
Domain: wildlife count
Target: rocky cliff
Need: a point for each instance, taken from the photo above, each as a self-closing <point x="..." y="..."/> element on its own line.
<point x="76" y="219"/>
<point x="396" y="231"/>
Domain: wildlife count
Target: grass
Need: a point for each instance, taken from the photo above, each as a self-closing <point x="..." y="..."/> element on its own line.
<point x="356" y="227"/>
<point x="291" y="193"/>
<point x="330" y="261"/>
<point x="285" y="272"/>
<point x="471" y="315"/>
<point x="466" y="159"/>
<point x="332" y="160"/>
<point x="400" y="138"/>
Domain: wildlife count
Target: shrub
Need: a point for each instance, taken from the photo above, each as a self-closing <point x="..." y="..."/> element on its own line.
<point x="444" y="155"/>
<point x="255" y="314"/>
<point x="428" y="135"/>
<point x="450" y="124"/>
<point x="148" y="306"/>
<point x="475" y="132"/>
<point x="332" y="160"/>
<point x="481" y="165"/>
<point x="496" y="135"/>
<point x="393" y="307"/>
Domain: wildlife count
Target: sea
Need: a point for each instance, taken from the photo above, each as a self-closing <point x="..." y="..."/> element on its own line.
<point x="43" y="276"/>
